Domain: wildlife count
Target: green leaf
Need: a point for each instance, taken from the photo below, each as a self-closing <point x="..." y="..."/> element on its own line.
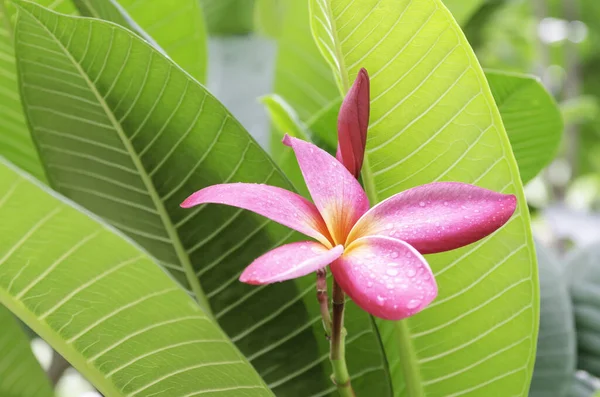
<point x="531" y="117"/>
<point x="584" y="385"/>
<point x="104" y="305"/>
<point x="178" y="27"/>
<point x="20" y="372"/>
<point x="302" y="78"/>
<point x="556" y="356"/>
<point x="129" y="135"/>
<point x="229" y="17"/>
<point x="433" y="118"/>
<point x="463" y="10"/>
<point x="584" y="281"/>
<point x="15" y="140"/>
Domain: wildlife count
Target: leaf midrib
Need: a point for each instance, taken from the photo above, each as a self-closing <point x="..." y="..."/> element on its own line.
<point x="162" y="212"/>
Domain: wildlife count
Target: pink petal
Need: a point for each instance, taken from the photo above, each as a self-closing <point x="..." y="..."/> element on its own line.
<point x="277" y="204"/>
<point x="386" y="277"/>
<point x="353" y="122"/>
<point x="290" y="261"/>
<point x="336" y="193"/>
<point x="438" y="217"/>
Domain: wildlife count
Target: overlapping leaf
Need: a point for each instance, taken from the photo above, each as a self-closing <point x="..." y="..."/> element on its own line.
<point x="556" y="356"/>
<point x="584" y="280"/>
<point x="105" y="306"/>
<point x="126" y="133"/>
<point x="15" y="141"/>
<point x="176" y="26"/>
<point x="20" y="372"/>
<point x="433" y="118"/>
<point x="531" y="117"/>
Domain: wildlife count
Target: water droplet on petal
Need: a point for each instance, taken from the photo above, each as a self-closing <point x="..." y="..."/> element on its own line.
<point x="411" y="272"/>
<point x="422" y="204"/>
<point x="392" y="272"/>
<point x="370" y="284"/>
<point x="390" y="286"/>
<point x="380" y="300"/>
<point x="392" y="264"/>
<point x="394" y="254"/>
<point x="413" y="303"/>
<point x="389" y="226"/>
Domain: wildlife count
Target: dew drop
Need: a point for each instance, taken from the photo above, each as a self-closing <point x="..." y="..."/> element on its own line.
<point x="393" y="264"/>
<point x="370" y="284"/>
<point x="394" y="255"/>
<point x="380" y="300"/>
<point x="389" y="226"/>
<point x="422" y="204"/>
<point x="390" y="286"/>
<point x="413" y="303"/>
<point x="446" y="203"/>
<point x="411" y="272"/>
<point x="392" y="272"/>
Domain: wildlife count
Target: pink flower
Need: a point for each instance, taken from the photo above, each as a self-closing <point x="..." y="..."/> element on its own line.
<point x="374" y="254"/>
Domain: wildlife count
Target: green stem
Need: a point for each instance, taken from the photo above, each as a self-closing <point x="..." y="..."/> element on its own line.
<point x="324" y="300"/>
<point x="340" y="376"/>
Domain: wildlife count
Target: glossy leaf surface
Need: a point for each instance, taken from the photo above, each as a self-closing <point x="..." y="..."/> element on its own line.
<point x="177" y="27"/>
<point x="433" y="118"/>
<point x="105" y="305"/>
<point x="128" y="135"/>
<point x="15" y="140"/>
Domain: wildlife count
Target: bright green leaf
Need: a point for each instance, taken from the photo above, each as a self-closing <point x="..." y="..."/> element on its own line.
<point x="20" y="372"/>
<point x="531" y="117"/>
<point x="229" y="17"/>
<point x="555" y="358"/>
<point x="128" y="135"/>
<point x="105" y="306"/>
<point x="302" y="77"/>
<point x="584" y="278"/>
<point x="177" y="26"/>
<point x="15" y="140"/>
<point x="433" y="118"/>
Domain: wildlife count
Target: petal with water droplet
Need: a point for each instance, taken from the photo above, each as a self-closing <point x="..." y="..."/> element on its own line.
<point x="290" y="261"/>
<point x="438" y="217"/>
<point x="391" y="299"/>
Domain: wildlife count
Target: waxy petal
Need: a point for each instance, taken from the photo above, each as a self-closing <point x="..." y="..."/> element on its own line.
<point x="386" y="277"/>
<point x="438" y="216"/>
<point x="336" y="193"/>
<point x="275" y="203"/>
<point x="353" y="122"/>
<point x="290" y="261"/>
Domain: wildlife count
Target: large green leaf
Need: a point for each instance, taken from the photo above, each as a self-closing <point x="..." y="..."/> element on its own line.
<point x="302" y="78"/>
<point x="20" y="372"/>
<point x="554" y="369"/>
<point x="532" y="119"/>
<point x="105" y="305"/>
<point x="433" y="118"/>
<point x="15" y="141"/>
<point x="129" y="135"/>
<point x="584" y="279"/>
<point x="177" y="26"/>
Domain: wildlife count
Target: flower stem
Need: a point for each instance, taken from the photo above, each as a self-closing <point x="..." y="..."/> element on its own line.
<point x="324" y="300"/>
<point x="340" y="376"/>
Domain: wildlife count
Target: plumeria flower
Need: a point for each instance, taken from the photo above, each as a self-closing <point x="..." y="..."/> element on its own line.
<point x="376" y="255"/>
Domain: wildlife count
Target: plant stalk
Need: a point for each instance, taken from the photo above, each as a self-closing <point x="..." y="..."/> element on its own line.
<point x="324" y="300"/>
<point x="340" y="377"/>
